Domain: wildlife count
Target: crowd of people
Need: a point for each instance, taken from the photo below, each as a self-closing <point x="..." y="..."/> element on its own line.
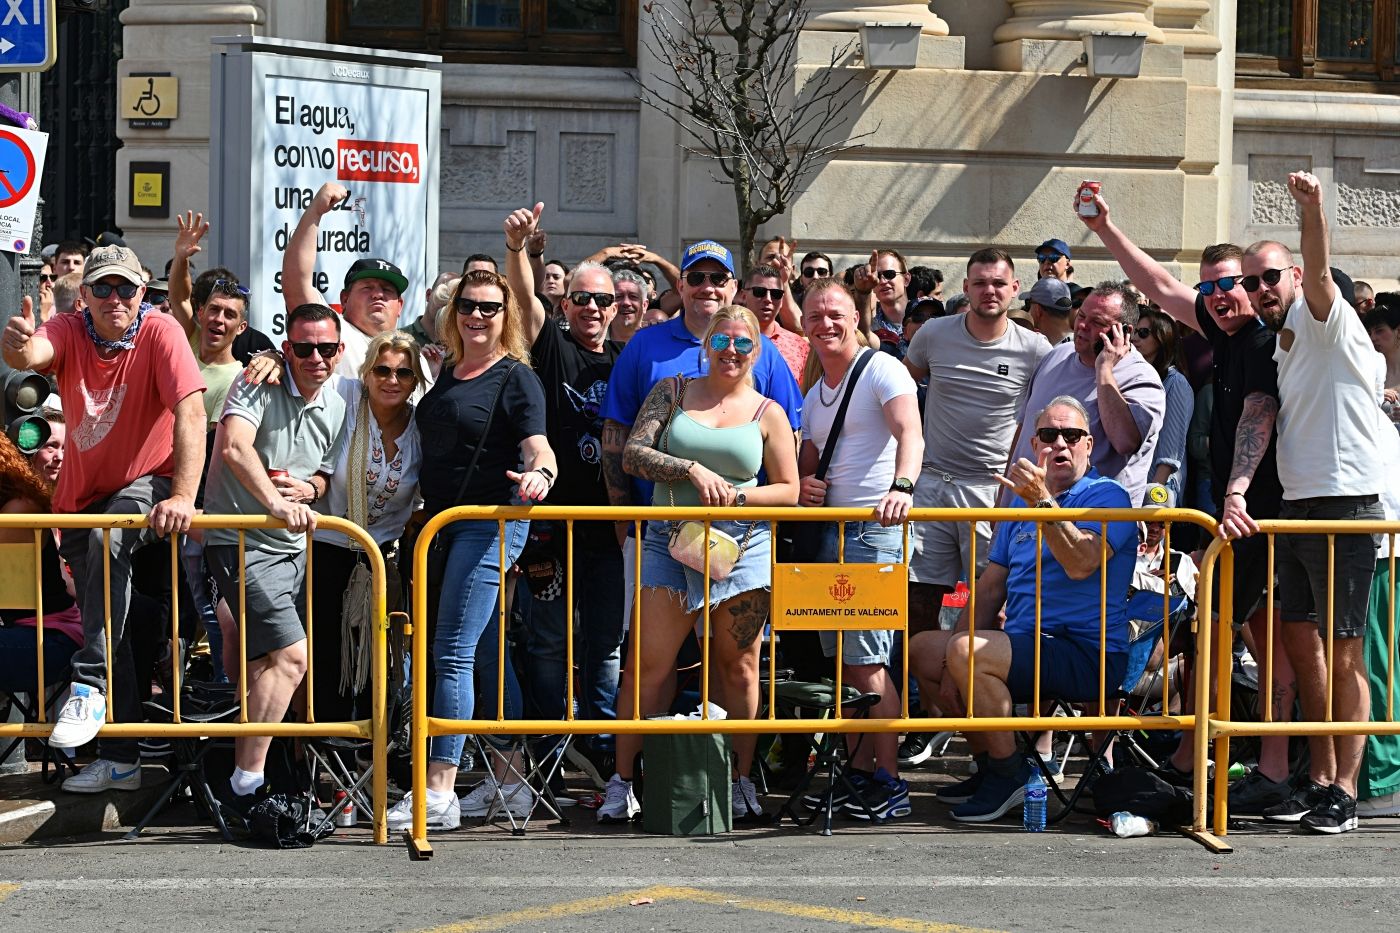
<point x="1263" y="391"/>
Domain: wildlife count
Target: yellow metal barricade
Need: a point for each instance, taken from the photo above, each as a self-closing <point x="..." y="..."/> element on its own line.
<point x="426" y="726"/>
<point x="21" y="587"/>
<point x="1220" y="724"/>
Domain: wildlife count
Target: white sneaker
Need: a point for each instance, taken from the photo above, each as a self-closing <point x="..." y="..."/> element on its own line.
<point x="442" y="815"/>
<point x="1384" y="805"/>
<point x="82" y="715"/>
<point x="520" y="800"/>
<point x="619" y="803"/>
<point x="481" y="798"/>
<point x="104" y="775"/>
<point x="745" y="799"/>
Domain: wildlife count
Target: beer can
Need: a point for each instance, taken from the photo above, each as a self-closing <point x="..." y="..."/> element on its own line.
<point x="1088" y="190"/>
<point x="345" y="812"/>
<point x="274" y="474"/>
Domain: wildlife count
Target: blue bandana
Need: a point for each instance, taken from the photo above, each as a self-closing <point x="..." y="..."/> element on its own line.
<point x="127" y="341"/>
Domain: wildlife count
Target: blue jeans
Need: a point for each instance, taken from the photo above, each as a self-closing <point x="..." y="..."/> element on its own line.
<point x="598" y="602"/>
<point x="866" y="543"/>
<point x="468" y="628"/>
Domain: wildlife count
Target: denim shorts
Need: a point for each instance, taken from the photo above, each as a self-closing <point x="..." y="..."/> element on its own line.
<point x="1302" y="565"/>
<point x="754" y="570"/>
<point x="866" y="543"/>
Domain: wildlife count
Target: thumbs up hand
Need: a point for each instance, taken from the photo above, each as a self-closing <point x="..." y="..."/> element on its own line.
<point x="20" y="329"/>
<point x="521" y="225"/>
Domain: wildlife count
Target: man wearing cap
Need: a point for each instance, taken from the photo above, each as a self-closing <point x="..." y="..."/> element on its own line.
<point x="134" y="399"/>
<point x="1053" y="257"/>
<point x="371" y="299"/>
<point x="1051" y="309"/>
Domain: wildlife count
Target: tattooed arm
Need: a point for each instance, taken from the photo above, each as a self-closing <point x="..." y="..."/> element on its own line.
<point x="641" y="457"/>
<point x="1252" y="436"/>
<point x="618" y="483"/>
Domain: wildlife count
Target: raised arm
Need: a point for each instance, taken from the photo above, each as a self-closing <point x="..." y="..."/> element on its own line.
<point x="299" y="261"/>
<point x="520" y="225"/>
<point x="192" y="229"/>
<point x="1317" y="274"/>
<point x="1115" y="413"/>
<point x="1174" y="297"/>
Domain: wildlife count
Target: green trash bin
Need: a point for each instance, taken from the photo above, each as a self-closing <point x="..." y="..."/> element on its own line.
<point x="686" y="789"/>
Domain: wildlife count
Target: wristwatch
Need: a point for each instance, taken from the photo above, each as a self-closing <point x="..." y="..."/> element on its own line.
<point x="903" y="485"/>
<point x="1047" y="504"/>
<point x="740" y="499"/>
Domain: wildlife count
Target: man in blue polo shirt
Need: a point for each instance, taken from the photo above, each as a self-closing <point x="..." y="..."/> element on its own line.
<point x="1069" y="593"/>
<point x="707" y="284"/>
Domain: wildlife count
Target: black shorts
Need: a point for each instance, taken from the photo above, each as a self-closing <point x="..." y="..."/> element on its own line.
<point x="1302" y="565"/>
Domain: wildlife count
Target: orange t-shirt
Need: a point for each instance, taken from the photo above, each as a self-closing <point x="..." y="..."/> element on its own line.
<point x="120" y="412"/>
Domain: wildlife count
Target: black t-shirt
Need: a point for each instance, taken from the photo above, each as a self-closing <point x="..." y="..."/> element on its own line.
<point x="249" y="344"/>
<point x="451" y="418"/>
<point x="1242" y="364"/>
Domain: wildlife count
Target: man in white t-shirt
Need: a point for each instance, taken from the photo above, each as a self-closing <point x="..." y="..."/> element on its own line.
<point x="873" y="466"/>
<point x="978" y="366"/>
<point x="1332" y="434"/>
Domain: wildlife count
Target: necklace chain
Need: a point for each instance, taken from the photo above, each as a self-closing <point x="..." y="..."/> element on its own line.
<point x="821" y="384"/>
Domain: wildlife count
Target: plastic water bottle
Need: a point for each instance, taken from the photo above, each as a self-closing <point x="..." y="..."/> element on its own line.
<point x="1033" y="807"/>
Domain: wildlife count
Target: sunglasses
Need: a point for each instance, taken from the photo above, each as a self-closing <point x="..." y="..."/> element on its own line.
<point x="1143" y="333"/>
<point x="487" y="309"/>
<point x="1268" y="276"/>
<point x="402" y="374"/>
<point x="1049" y="257"/>
<point x="1225" y="283"/>
<point x="815" y="272"/>
<point x="326" y="350"/>
<point x="760" y="293"/>
<point x="742" y="345"/>
<point x="125" y="291"/>
<point x="231" y="285"/>
<point x="697" y="278"/>
<point x="888" y="274"/>
<point x="1072" y="436"/>
<point x="601" y="299"/>
<point x="46" y="278"/>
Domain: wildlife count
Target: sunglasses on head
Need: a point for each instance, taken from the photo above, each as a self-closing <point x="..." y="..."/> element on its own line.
<point x="742" y="345"/>
<point x="1269" y="277"/>
<point x="697" y="278"/>
<point x="465" y="306"/>
<point x="888" y="274"/>
<point x="326" y="350"/>
<point x="125" y="291"/>
<point x="402" y="374"/>
<point x="1072" y="436"/>
<point x="1049" y="257"/>
<point x="815" y="272"/>
<point x="1225" y="283"/>
<point x="760" y="293"/>
<point x="601" y="299"/>
<point x="231" y="285"/>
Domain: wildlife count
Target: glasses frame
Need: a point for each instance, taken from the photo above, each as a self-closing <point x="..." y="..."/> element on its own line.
<point x="302" y="349"/>
<point x="103" y="290"/>
<point x="1269" y="277"/>
<point x="1208" y="288"/>
<point x="1079" y="435"/>
<point x="399" y="374"/>
<point x="596" y="298"/>
<point x="815" y="272"/>
<point x="695" y="278"/>
<point x="759" y="292"/>
<point x="469" y="306"/>
<point x="742" y="345"/>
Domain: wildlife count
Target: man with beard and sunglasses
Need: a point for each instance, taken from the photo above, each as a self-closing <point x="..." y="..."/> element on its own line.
<point x="574" y="366"/>
<point x="764" y="293"/>
<point x="1243" y="455"/>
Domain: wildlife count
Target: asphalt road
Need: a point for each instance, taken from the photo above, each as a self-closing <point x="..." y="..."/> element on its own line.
<point x="926" y="876"/>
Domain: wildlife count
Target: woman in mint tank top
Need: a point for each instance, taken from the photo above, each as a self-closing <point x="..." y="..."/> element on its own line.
<point x="703" y="442"/>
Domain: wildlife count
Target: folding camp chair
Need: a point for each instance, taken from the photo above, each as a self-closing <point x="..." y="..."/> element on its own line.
<point x="819" y="700"/>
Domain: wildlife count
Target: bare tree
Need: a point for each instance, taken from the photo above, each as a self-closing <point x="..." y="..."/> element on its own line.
<point x="725" y="75"/>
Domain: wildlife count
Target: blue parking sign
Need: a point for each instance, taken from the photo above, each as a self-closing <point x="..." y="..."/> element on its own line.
<point x="28" y="41"/>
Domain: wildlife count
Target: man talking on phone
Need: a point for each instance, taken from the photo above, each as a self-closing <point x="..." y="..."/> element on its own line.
<point x="1117" y="387"/>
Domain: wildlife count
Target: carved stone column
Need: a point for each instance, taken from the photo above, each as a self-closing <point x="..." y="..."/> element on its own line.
<point x="848" y="15"/>
<point x="1071" y="19"/>
<point x="1180" y="22"/>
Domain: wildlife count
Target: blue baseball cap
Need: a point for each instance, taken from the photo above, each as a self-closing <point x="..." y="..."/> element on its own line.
<point x="1058" y="246"/>
<point x="707" y="249"/>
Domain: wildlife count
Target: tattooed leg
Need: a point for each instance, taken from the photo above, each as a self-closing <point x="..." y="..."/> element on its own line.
<point x="734" y="649"/>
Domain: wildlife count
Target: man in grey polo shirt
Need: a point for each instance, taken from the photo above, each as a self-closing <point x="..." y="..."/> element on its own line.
<point x="275" y="446"/>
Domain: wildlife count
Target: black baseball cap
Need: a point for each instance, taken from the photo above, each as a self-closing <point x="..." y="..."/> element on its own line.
<point x="377" y="269"/>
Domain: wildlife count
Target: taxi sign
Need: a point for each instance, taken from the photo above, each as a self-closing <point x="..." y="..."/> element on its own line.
<point x="28" y="37"/>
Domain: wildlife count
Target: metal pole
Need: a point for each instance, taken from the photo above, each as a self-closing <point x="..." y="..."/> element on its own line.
<point x="10" y="287"/>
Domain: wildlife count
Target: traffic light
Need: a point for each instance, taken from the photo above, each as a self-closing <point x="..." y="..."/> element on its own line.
<point x="24" y="394"/>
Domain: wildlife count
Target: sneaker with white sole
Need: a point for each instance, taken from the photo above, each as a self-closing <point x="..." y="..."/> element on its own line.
<point x="619" y="803"/>
<point x="1384" y="805"/>
<point x="443" y="814"/>
<point x="102" y="775"/>
<point x="745" y="800"/>
<point x="480" y="799"/>
<point x="83" y="714"/>
<point x="520" y="800"/>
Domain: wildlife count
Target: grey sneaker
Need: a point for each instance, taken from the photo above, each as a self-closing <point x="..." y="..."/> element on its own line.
<point x="1303" y="801"/>
<point x="1255" y="793"/>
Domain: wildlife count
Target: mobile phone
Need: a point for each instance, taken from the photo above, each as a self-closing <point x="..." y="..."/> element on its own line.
<point x="1098" y="346"/>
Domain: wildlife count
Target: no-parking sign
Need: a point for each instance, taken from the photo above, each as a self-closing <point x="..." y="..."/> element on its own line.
<point x="21" y="164"/>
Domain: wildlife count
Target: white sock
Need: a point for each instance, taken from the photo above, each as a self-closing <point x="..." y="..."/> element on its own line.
<point x="245" y="782"/>
<point x="439" y="796"/>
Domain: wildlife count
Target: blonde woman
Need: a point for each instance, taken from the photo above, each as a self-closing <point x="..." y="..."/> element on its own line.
<point x="483" y="434"/>
<point x="703" y="441"/>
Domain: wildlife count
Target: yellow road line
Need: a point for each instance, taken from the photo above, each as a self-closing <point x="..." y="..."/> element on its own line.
<point x="7" y="889"/>
<point x="660" y="893"/>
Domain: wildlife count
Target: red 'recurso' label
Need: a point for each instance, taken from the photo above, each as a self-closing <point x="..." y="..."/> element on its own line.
<point x="370" y="160"/>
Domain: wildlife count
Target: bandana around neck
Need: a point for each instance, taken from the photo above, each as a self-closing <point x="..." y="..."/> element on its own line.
<point x="126" y="341"/>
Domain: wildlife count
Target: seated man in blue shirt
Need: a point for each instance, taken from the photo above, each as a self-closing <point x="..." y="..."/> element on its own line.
<point x="1070" y="597"/>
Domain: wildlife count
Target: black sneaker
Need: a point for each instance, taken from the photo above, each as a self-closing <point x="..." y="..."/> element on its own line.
<point x="884" y="796"/>
<point x="1303" y="801"/>
<point x="962" y="791"/>
<point x="1336" y="814"/>
<point x="236" y="805"/>
<point x="816" y="799"/>
<point x="1255" y="793"/>
<point x="916" y="749"/>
